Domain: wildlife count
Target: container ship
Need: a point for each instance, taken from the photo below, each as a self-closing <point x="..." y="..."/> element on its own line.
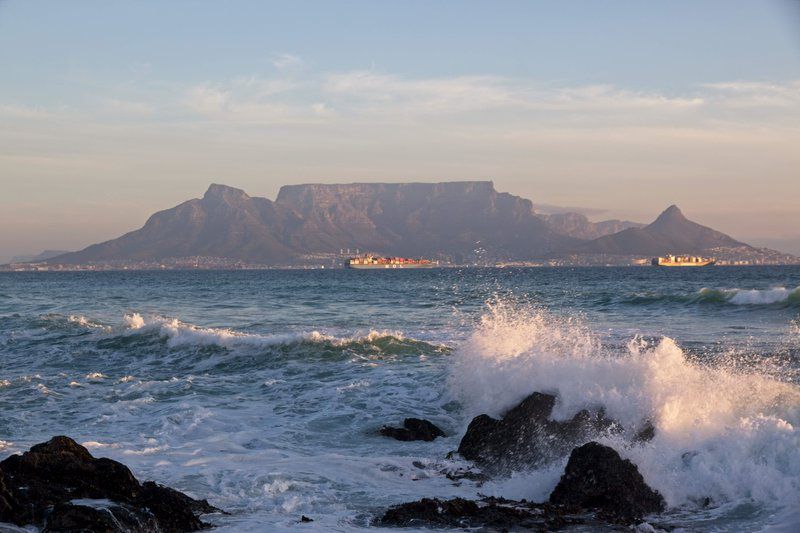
<point x="371" y="261"/>
<point x="683" y="260"/>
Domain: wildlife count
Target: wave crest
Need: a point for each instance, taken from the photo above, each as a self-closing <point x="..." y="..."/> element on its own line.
<point x="775" y="295"/>
<point x="182" y="334"/>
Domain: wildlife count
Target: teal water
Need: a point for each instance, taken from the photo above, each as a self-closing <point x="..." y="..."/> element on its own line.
<point x="262" y="390"/>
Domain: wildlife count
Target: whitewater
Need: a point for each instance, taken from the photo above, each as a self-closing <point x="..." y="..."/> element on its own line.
<point x="263" y="391"/>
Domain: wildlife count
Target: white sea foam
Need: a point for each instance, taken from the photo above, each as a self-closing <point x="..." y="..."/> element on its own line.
<point x="85" y="322"/>
<point x="180" y="333"/>
<point x="763" y="297"/>
<point x="720" y="433"/>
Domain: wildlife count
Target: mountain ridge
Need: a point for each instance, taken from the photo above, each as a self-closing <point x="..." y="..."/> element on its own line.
<point x="463" y="221"/>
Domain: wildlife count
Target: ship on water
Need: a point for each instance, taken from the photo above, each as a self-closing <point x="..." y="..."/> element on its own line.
<point x="683" y="260"/>
<point x="374" y="262"/>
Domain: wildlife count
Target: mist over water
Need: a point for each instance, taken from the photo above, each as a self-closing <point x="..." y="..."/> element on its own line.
<point x="262" y="391"/>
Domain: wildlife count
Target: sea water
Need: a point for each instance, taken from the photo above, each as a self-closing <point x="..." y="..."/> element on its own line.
<point x="262" y="391"/>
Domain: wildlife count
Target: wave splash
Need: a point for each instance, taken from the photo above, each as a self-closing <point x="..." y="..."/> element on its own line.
<point x="721" y="433"/>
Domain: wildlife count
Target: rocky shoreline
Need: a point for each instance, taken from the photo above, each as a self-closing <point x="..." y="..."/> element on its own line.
<point x="598" y="487"/>
<point x="59" y="486"/>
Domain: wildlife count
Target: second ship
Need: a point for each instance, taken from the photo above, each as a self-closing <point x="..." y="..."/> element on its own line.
<point x="375" y="262"/>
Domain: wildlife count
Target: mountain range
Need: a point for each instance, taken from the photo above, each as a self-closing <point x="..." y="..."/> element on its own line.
<point x="455" y="220"/>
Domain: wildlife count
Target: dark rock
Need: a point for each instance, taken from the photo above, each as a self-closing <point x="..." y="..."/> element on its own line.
<point x="73" y="518"/>
<point x="304" y="518"/>
<point x="526" y="437"/>
<point x="492" y="513"/>
<point x="9" y="506"/>
<point x="38" y="486"/>
<point x="413" y="429"/>
<point x="597" y="478"/>
<point x="645" y="434"/>
<point x="174" y="510"/>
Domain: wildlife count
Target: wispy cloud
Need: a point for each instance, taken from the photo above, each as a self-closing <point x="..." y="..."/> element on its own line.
<point x="24" y="111"/>
<point x="287" y="61"/>
<point x="756" y="94"/>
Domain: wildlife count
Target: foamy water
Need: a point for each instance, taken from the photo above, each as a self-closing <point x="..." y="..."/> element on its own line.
<point x="262" y="392"/>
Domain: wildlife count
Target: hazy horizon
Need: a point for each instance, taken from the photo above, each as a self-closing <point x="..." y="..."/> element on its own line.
<point x="111" y="112"/>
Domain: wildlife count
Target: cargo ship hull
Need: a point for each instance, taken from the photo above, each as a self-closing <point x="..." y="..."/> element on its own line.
<point x="371" y="262"/>
<point x="388" y="266"/>
<point x="688" y="261"/>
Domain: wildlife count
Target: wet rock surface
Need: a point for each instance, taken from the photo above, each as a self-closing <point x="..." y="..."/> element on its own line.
<point x="598" y="490"/>
<point x="41" y="486"/>
<point x="596" y="478"/>
<point x="496" y="514"/>
<point x="80" y="518"/>
<point x="413" y="429"/>
<point x="526" y="437"/>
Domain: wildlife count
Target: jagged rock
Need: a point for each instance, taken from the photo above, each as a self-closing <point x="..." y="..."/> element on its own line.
<point x="526" y="437"/>
<point x="491" y="513"/>
<point x="413" y="429"/>
<point x="38" y="486"/>
<point x="597" y="478"/>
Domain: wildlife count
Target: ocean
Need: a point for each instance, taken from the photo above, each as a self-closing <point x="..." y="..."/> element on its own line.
<point x="262" y="391"/>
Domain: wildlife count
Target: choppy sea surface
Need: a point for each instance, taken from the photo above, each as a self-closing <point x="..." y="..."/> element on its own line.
<point x="262" y="391"/>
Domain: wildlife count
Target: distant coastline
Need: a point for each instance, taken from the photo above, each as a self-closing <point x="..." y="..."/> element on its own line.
<point x="466" y="223"/>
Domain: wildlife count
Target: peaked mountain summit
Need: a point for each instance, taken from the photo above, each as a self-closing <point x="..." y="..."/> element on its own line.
<point x="671" y="232"/>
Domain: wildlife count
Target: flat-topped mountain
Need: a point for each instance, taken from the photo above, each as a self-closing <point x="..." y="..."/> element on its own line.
<point x="453" y="218"/>
<point x="670" y="232"/>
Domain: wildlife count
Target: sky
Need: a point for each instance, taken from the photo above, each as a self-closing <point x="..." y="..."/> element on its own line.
<point x="111" y="110"/>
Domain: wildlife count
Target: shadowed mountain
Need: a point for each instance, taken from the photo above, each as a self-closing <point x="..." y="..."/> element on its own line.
<point x="413" y="219"/>
<point x="670" y="232"/>
<point x="578" y="225"/>
<point x="226" y="222"/>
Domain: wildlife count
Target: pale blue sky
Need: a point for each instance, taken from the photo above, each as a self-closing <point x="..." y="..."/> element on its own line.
<point x="112" y="110"/>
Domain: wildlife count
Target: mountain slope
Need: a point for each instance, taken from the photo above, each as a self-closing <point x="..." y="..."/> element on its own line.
<point x="671" y="232"/>
<point x="226" y="222"/>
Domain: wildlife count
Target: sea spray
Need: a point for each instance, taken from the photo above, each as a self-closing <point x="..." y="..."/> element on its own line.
<point x="721" y="433"/>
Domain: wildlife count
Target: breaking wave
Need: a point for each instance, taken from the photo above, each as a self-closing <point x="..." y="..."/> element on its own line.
<point x="178" y="333"/>
<point x="721" y="432"/>
<point x="776" y="296"/>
